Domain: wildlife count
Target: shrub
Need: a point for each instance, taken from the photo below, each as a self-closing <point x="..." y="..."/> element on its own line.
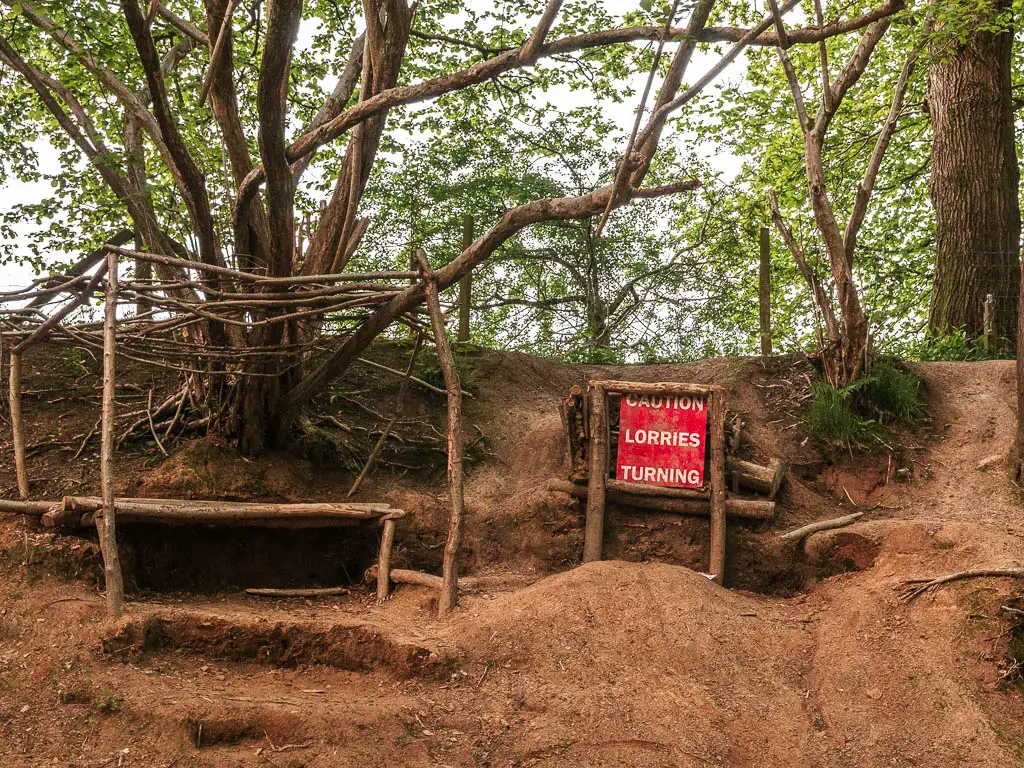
<point x="831" y="416"/>
<point x="892" y="392"/>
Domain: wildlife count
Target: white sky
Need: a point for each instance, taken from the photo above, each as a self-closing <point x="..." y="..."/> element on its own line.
<point x="13" y="191"/>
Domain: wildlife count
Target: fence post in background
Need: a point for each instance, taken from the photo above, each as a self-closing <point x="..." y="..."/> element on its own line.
<point x="466" y="283"/>
<point x="106" y="523"/>
<point x="764" y="292"/>
<point x="18" y="425"/>
<point x="989" y="321"/>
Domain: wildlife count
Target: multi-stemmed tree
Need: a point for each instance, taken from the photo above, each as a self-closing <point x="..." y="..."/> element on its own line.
<point x="211" y="134"/>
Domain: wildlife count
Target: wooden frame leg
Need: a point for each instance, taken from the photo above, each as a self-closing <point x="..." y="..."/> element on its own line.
<point x="387" y="539"/>
<point x="593" y="537"/>
<point x="716" y="432"/>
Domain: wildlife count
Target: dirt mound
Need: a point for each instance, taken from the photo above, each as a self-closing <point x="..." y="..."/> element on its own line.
<point x="613" y="661"/>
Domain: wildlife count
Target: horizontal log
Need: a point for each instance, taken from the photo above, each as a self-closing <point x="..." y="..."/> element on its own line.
<point x="649" y="388"/>
<point x="421" y="579"/>
<point x="745" y="509"/>
<point x="34" y="508"/>
<point x="81" y="510"/>
<point x="640" y="489"/>
<point x="766" y="480"/>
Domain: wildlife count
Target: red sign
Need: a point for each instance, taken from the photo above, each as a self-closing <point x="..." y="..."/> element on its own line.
<point x="661" y="440"/>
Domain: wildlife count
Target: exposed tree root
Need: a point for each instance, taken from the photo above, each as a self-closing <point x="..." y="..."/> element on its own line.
<point x="912" y="588"/>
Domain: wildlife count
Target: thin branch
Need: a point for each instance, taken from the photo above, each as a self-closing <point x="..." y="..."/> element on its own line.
<point x="218" y="50"/>
<point x="865" y="187"/>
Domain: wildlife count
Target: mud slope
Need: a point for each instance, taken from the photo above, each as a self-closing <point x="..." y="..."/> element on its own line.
<point x="611" y="664"/>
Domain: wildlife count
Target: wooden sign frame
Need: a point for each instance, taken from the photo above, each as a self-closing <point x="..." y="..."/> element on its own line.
<point x="714" y="492"/>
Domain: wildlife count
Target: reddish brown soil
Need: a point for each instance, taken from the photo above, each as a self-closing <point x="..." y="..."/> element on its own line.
<point x="615" y="663"/>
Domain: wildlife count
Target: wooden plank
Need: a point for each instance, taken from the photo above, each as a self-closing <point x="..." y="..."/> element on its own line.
<point x="747" y="509"/>
<point x="653" y="388"/>
<point x="18" y="425"/>
<point x="387" y="539"/>
<point x="716" y="443"/>
<point x="764" y="292"/>
<point x="593" y="536"/>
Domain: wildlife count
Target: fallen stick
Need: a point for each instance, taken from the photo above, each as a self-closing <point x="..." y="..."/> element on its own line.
<point x="912" y="588"/>
<point x="822" y="525"/>
<point x="744" y="509"/>
<point x="413" y="379"/>
<point x="325" y="592"/>
<point x="421" y="579"/>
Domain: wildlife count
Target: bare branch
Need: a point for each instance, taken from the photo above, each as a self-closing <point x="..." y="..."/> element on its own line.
<point x="283" y="18"/>
<point x="826" y="89"/>
<point x="821" y="298"/>
<point x="189" y="179"/>
<point x="513" y="221"/>
<point x="866" y="186"/>
<point x="491" y="68"/>
<point x="187" y="29"/>
<point x="787" y="67"/>
<point x="218" y="51"/>
<point x="528" y="53"/>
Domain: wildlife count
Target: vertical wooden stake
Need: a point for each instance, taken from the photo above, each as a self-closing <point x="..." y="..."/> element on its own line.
<point x="716" y="443"/>
<point x="466" y="283"/>
<point x="18" y="425"/>
<point x="106" y="523"/>
<point x="764" y="292"/>
<point x="387" y="539"/>
<point x="989" y="321"/>
<point x="593" y="536"/>
<point x="450" y="575"/>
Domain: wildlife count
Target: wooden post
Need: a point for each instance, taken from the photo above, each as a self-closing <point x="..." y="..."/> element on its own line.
<point x="106" y="523"/>
<point x="765" y="292"/>
<point x="989" y="321"/>
<point x="593" y="536"/>
<point x="450" y="573"/>
<point x="387" y="539"/>
<point x="716" y="443"/>
<point x="466" y="283"/>
<point x="18" y="425"/>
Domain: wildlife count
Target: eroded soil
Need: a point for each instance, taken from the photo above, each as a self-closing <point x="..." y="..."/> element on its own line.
<point x="810" y="659"/>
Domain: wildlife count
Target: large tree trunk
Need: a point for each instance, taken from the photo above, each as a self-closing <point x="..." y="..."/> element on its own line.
<point x="974" y="185"/>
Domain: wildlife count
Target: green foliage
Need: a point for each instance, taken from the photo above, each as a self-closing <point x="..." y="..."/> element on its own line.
<point x="892" y="392"/>
<point x="832" y="418"/>
<point x="957" y="346"/>
<point x="108" y="702"/>
<point x="856" y="415"/>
